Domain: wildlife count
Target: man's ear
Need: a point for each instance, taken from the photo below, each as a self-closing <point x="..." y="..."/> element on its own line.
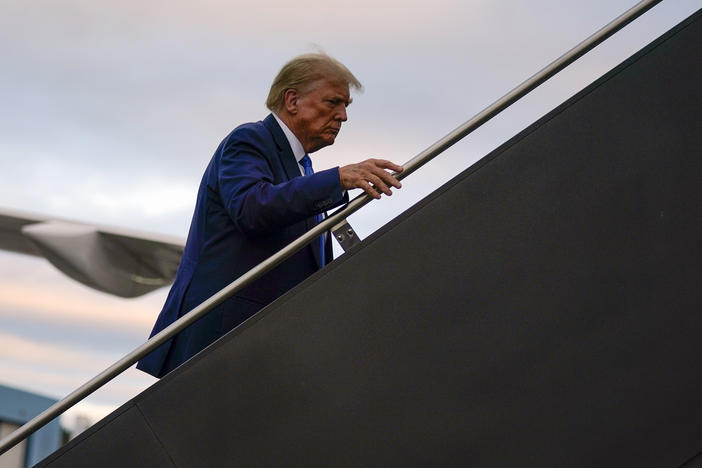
<point x="290" y="101"/>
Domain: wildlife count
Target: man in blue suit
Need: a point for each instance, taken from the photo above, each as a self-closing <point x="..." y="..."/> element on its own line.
<point x="257" y="195"/>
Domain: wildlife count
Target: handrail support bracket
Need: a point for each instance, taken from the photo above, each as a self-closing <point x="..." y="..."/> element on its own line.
<point x="345" y="235"/>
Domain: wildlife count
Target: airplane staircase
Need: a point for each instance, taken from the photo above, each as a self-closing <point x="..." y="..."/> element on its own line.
<point x="543" y="308"/>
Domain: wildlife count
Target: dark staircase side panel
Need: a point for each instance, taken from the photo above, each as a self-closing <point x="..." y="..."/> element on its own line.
<point x="122" y="439"/>
<point x="543" y="308"/>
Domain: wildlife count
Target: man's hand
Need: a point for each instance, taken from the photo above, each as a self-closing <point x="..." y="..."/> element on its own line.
<point x="371" y="171"/>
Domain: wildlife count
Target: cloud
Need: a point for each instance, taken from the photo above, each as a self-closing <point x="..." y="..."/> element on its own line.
<point x="18" y="298"/>
<point x="149" y="200"/>
<point x="71" y="20"/>
<point x="26" y="353"/>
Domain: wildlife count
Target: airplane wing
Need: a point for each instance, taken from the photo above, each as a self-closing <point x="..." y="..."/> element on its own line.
<point x="120" y="262"/>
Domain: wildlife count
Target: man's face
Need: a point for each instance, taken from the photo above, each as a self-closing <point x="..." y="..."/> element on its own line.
<point x="320" y="111"/>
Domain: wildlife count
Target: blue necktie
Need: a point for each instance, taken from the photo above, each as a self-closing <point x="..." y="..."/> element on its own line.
<point x="306" y="164"/>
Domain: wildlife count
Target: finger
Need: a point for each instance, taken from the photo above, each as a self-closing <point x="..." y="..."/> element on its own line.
<point x="368" y="189"/>
<point x="385" y="164"/>
<point x="388" y="179"/>
<point x="379" y="184"/>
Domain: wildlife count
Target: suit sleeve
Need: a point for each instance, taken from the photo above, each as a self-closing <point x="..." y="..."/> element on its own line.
<point x="255" y="204"/>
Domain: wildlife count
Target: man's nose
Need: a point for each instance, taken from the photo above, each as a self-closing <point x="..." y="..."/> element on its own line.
<point x="341" y="114"/>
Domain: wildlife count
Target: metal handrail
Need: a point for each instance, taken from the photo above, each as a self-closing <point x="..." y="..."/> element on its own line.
<point x="354" y="205"/>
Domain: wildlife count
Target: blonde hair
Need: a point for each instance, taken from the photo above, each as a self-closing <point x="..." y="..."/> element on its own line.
<point x="303" y="70"/>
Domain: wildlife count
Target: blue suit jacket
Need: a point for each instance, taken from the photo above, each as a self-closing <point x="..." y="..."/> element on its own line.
<point x="251" y="203"/>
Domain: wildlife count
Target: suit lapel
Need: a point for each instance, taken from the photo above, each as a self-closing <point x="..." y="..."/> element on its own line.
<point x="290" y="166"/>
<point x="285" y="153"/>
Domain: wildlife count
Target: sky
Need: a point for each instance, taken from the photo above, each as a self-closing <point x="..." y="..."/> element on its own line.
<point x="110" y="112"/>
